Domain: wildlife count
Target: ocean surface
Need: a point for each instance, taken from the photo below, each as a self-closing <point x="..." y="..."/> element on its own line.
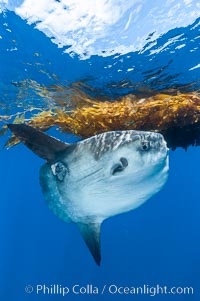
<point x="115" y="48"/>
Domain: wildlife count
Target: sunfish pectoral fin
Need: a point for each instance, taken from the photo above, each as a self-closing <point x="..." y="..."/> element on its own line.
<point x="41" y="144"/>
<point x="91" y="235"/>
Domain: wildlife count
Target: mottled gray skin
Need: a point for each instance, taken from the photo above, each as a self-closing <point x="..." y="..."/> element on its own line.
<point x="99" y="177"/>
<point x="89" y="191"/>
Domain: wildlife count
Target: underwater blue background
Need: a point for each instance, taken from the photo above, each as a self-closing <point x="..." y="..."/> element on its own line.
<point x="159" y="243"/>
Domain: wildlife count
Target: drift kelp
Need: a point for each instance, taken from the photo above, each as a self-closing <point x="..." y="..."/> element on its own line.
<point x="177" y="117"/>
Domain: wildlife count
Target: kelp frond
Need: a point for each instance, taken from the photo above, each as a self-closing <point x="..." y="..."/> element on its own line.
<point x="177" y="117"/>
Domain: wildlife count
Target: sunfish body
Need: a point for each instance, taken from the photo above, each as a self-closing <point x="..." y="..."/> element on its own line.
<point x="99" y="177"/>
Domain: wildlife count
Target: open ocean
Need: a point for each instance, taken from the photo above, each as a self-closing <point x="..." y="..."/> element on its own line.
<point x="115" y="48"/>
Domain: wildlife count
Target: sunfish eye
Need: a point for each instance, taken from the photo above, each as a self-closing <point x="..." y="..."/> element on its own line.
<point x="145" y="146"/>
<point x="59" y="170"/>
<point x="119" y="167"/>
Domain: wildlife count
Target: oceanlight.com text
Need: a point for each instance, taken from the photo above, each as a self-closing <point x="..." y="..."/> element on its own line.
<point x="111" y="289"/>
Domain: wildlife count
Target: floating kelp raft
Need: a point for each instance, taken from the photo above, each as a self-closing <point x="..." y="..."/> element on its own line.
<point x="177" y="117"/>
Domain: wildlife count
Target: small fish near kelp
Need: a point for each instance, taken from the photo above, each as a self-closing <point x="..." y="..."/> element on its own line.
<point x="99" y="177"/>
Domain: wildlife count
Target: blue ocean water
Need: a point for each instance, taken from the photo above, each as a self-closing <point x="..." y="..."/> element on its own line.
<point x="157" y="244"/>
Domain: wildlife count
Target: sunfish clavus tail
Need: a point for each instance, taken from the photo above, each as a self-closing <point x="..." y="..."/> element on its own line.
<point x="99" y="177"/>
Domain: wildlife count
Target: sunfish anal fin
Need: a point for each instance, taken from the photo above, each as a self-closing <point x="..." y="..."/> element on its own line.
<point x="41" y="144"/>
<point x="91" y="235"/>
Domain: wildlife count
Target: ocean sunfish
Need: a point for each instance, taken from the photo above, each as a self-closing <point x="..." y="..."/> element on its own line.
<point x="99" y="177"/>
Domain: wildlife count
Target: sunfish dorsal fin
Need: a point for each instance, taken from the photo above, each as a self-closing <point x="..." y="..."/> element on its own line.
<point x="91" y="235"/>
<point x="41" y="144"/>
